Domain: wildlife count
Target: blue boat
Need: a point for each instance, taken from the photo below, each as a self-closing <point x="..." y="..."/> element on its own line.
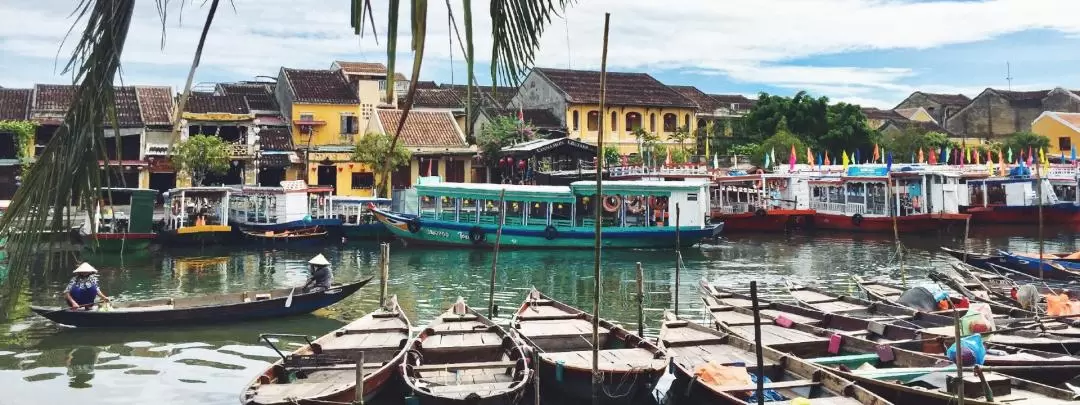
<point x="357" y="220"/>
<point x="291" y="207"/>
<point x="1050" y="266"/>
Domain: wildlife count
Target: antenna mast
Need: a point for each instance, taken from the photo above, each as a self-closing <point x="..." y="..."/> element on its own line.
<point x="1008" y="74"/>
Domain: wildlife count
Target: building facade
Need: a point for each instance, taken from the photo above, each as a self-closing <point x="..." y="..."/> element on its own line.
<point x="14" y="106"/>
<point x="995" y="114"/>
<point x="939" y="106"/>
<point x="436" y="142"/>
<point x="1061" y="128"/>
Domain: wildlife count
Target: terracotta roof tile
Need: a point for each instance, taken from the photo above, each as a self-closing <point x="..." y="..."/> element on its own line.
<point x="436" y="98"/>
<point x="128" y="114"/>
<point x="879" y="114"/>
<point x="705" y="102"/>
<point x="156" y="104"/>
<point x="922" y="125"/>
<point x="15" y="104"/>
<point x="426" y="84"/>
<point x="259" y="96"/>
<point x="497" y="97"/>
<point x="537" y="117"/>
<point x="274" y="160"/>
<point x="54" y="98"/>
<point x="632" y="89"/>
<point x="361" y="68"/>
<point x="907" y="112"/>
<point x="948" y="99"/>
<point x="424" y="128"/>
<point x="275" y="138"/>
<point x="320" y="87"/>
<point x="202" y="104"/>
<point x="726" y="100"/>
<point x="51" y="101"/>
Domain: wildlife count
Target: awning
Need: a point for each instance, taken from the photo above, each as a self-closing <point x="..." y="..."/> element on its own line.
<point x="274" y="161"/>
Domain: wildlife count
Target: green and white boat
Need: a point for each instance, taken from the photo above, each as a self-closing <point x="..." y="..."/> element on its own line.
<point x="123" y="221"/>
<point x="635" y="214"/>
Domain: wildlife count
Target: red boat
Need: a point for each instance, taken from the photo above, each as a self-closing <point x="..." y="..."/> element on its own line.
<point x="867" y="199"/>
<point x="1014" y="200"/>
<point x="760" y="203"/>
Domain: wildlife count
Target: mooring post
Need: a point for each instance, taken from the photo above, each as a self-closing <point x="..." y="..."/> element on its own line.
<point x="640" y="300"/>
<point x="536" y="377"/>
<point x="384" y="272"/>
<point x="757" y="345"/>
<point x="959" y="357"/>
<point x="360" y="378"/>
<point x="597" y="378"/>
<point x="495" y="256"/>
<point x="678" y="257"/>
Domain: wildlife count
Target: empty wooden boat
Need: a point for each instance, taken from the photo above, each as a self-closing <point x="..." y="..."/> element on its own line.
<point x="324" y="371"/>
<point x="731" y="307"/>
<point x="463" y="358"/>
<point x="223" y="308"/>
<point x="695" y="349"/>
<point x="979" y="260"/>
<point x="288" y="236"/>
<point x="562" y="335"/>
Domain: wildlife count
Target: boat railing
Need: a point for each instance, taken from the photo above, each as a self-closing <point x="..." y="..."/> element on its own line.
<point x="828" y="206"/>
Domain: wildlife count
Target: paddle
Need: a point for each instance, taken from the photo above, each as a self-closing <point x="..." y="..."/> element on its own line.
<point x="67" y="308"/>
<point x="288" y="301"/>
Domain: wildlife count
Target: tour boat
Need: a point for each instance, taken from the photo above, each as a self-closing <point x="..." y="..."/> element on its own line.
<point x="635" y="214"/>
<point x="358" y="222"/>
<point x="761" y="203"/>
<point x="197" y="215"/>
<point x="293" y="206"/>
<point x="1015" y="200"/>
<point x="866" y="199"/>
<point x="122" y="221"/>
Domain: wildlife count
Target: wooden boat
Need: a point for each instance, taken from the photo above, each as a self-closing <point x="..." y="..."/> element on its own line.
<point x="1050" y="266"/>
<point x="289" y="237"/>
<point x="888" y="292"/>
<point x="223" y="308"/>
<point x="998" y="286"/>
<point x="732" y="309"/>
<point x="324" y="371"/>
<point x="463" y="358"/>
<point x="692" y="346"/>
<point x="119" y="227"/>
<point x="197" y="215"/>
<point x="562" y="335"/>
<point x="357" y="220"/>
<point x="980" y="260"/>
<point x="292" y="206"/>
<point x="904" y="376"/>
<point x="760" y="203"/>
<point x="636" y="215"/>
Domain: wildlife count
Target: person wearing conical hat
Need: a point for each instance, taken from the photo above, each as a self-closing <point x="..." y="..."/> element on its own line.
<point x="321" y="276"/>
<point x="83" y="288"/>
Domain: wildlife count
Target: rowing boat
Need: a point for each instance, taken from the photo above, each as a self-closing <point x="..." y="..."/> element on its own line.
<point x="695" y="348"/>
<point x="980" y="260"/>
<point x="463" y="357"/>
<point x="324" y="371"/>
<point x="562" y="336"/>
<point x="223" y="308"/>
<point x="731" y="309"/>
<point x="290" y="237"/>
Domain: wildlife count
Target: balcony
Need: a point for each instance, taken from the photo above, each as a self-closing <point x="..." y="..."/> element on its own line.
<point x="242" y="151"/>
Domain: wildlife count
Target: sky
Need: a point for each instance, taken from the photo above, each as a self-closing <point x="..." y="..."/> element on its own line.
<point x="869" y="52"/>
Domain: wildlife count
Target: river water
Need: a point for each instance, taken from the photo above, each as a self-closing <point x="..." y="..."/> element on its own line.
<point x="41" y="363"/>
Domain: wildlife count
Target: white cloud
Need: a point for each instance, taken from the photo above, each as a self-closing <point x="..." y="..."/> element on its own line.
<point x="753" y="41"/>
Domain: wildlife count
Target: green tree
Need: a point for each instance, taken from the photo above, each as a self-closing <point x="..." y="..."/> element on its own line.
<point x="818" y="124"/>
<point x="908" y="142"/>
<point x="1021" y="141"/>
<point x="612" y="156"/>
<point x="372" y="150"/>
<point x="201" y="155"/>
<point x="680" y="136"/>
<point x="781" y="142"/>
<point x="500" y="133"/>
<point x="646" y="141"/>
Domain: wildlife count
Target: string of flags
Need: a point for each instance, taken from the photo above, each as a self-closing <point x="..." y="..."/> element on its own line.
<point x="959" y="156"/>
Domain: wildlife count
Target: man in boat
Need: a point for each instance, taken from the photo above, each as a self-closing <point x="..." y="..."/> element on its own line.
<point x="321" y="276"/>
<point x="83" y="288"/>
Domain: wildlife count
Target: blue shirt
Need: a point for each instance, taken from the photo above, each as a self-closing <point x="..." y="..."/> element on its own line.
<point x="83" y="289"/>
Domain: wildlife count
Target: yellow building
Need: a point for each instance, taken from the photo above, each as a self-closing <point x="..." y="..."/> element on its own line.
<point x="916" y="114"/>
<point x="1062" y="128"/>
<point x="324" y="112"/>
<point x="436" y="142"/>
<point x="633" y="100"/>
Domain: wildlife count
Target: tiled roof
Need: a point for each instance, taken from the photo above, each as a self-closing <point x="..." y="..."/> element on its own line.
<point x="948" y="99"/>
<point x="53" y="100"/>
<point x="922" y="125"/>
<point x="1022" y="95"/>
<point x="879" y="114"/>
<point x="156" y="104"/>
<point x="424" y="128"/>
<point x="275" y="138"/>
<point x="361" y="68"/>
<point x="319" y="87"/>
<point x="704" y="101"/>
<point x="274" y="160"/>
<point x="400" y="77"/>
<point x="53" y="97"/>
<point x="426" y="84"/>
<point x="15" y="104"/>
<point x="537" y="117"/>
<point x="907" y="112"/>
<point x="202" y="104"/>
<point x="629" y="89"/>
<point x="127" y="108"/>
<point x="259" y="96"/>
<point x="727" y="99"/>
<point x="436" y="98"/>
<point x="498" y="97"/>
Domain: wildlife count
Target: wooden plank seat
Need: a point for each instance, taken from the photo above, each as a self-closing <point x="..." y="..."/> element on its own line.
<point x="338" y="366"/>
<point x="469" y="388"/>
<point x="770" y="386"/>
<point x="775" y="335"/>
<point x="473" y="341"/>
<point x="811" y="297"/>
<point x="551" y="317"/>
<point x="464" y="366"/>
<point x="360" y="331"/>
<point x="271" y="393"/>
<point x="848" y="360"/>
<point x="612" y="360"/>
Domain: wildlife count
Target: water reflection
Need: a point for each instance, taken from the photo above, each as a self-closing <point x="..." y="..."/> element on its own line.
<point x="43" y="363"/>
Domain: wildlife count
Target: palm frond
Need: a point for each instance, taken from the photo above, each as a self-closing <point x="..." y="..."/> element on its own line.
<point x="68" y="171"/>
<point x="517" y="26"/>
<point x="182" y="103"/>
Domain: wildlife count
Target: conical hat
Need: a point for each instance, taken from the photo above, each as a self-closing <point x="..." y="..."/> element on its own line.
<point x="319" y="261"/>
<point x="85" y="268"/>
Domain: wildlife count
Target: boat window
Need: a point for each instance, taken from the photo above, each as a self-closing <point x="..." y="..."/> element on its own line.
<point x="611" y="210"/>
<point x="468" y="211"/>
<point x="877" y="199"/>
<point x="856" y="193"/>
<point x="515" y="212"/>
<point x="489" y="214"/>
<point x="658" y="207"/>
<point x="691" y="197"/>
<point x="562" y="215"/>
<point x="538" y="213"/>
<point x="1065" y="192"/>
<point x="445" y="208"/>
<point x="995" y="193"/>
<point x="637" y="211"/>
<point x="836" y="194"/>
<point x="318" y="205"/>
<point x="427" y="207"/>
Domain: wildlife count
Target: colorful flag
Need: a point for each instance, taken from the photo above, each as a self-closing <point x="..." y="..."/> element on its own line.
<point x="820" y="160"/>
<point x="772" y="155"/>
<point x="827" y="162"/>
<point x="922" y="158"/>
<point x="845" y="161"/>
<point x="967" y="155"/>
<point x="913" y="157"/>
<point x="876" y="153"/>
<point x="667" y="160"/>
<point x="855" y="156"/>
<point x="1001" y="163"/>
<point x="429" y="167"/>
<point x="809" y="157"/>
<point x="521" y="114"/>
<point x="791" y="159"/>
<point x="888" y="162"/>
<point x="933" y="157"/>
<point x="1044" y="160"/>
<point x="975" y="154"/>
<point x="766" y="159"/>
<point x="989" y="165"/>
<point x="715" y="161"/>
<point x="1074" y="153"/>
<point x="1010" y="154"/>
<point x="1030" y="156"/>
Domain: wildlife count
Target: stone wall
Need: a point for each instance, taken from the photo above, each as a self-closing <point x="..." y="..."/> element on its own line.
<point x="536" y="92"/>
<point x="992" y="116"/>
<point x="916" y="100"/>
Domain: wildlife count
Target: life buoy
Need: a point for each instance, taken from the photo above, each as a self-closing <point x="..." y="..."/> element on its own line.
<point x="612" y="202"/>
<point x="857" y="219"/>
<point x="413" y="225"/>
<point x="635" y="206"/>
<point x="760" y="212"/>
<point x="476" y="235"/>
<point x="176" y="207"/>
<point x="550" y="232"/>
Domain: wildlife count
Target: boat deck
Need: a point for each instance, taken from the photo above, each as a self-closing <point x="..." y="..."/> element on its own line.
<point x="463" y="356"/>
<point x="617" y="360"/>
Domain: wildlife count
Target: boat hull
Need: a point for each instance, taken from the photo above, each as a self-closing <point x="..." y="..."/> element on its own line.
<point x="431" y="232"/>
<point x="905" y="224"/>
<point x="980" y="260"/>
<point x="326" y="223"/>
<point x="1065" y="213"/>
<point x="300" y="240"/>
<point x="619" y="387"/>
<point x="117" y="242"/>
<point x="771" y="221"/>
<point x="270" y="308"/>
<point x="1045" y="268"/>
<point x="197" y="236"/>
<point x="366" y="231"/>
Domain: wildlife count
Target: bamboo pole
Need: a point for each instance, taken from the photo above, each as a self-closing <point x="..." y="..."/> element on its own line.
<point x="597" y="378"/>
<point x="495" y="258"/>
<point x="360" y="378"/>
<point x="640" y="300"/>
<point x="758" y="351"/>
<point x="384" y="272"/>
<point x="894" y="213"/>
<point x="967" y="230"/>
<point x="959" y="357"/>
<point x="1038" y="192"/>
<point x="678" y="257"/>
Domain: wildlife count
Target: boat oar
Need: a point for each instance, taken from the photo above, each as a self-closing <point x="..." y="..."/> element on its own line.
<point x="288" y="301"/>
<point x="69" y="308"/>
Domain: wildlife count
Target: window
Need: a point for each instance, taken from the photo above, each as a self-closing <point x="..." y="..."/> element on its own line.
<point x="1065" y="143"/>
<point x="691" y="197"/>
<point x="576" y="121"/>
<point x="350" y="124"/>
<point x="593" y="121"/>
<point x="633" y="121"/>
<point x="361" y="181"/>
<point x="734" y="106"/>
<point x="686" y="121"/>
<point x="614" y="121"/>
<point x="670" y="122"/>
<point x="307" y="117"/>
<point x="652" y="122"/>
<point x="366" y="110"/>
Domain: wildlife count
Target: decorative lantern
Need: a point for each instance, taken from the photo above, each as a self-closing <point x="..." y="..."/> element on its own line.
<point x="350" y="166"/>
<point x="536" y="205"/>
<point x="584" y="200"/>
<point x="521" y="164"/>
<point x="502" y="162"/>
<point x="340" y="169"/>
<point x="313" y="169"/>
<point x="509" y="160"/>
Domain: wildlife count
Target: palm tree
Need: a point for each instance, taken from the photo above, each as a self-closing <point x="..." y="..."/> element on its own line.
<point x="68" y="169"/>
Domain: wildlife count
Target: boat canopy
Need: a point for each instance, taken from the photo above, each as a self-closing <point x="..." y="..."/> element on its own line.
<point x="648" y="188"/>
<point x="557" y="194"/>
<point x="351" y="200"/>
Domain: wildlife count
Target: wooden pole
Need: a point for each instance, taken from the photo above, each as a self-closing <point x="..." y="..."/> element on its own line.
<point x="967" y="230"/>
<point x="640" y="300"/>
<point x="758" y="351"/>
<point x="384" y="271"/>
<point x="597" y="378"/>
<point x="360" y="378"/>
<point x="495" y="258"/>
<point x="959" y="358"/>
<point x="1038" y="192"/>
<point x="678" y="258"/>
<point x="536" y="378"/>
<point x="894" y="213"/>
